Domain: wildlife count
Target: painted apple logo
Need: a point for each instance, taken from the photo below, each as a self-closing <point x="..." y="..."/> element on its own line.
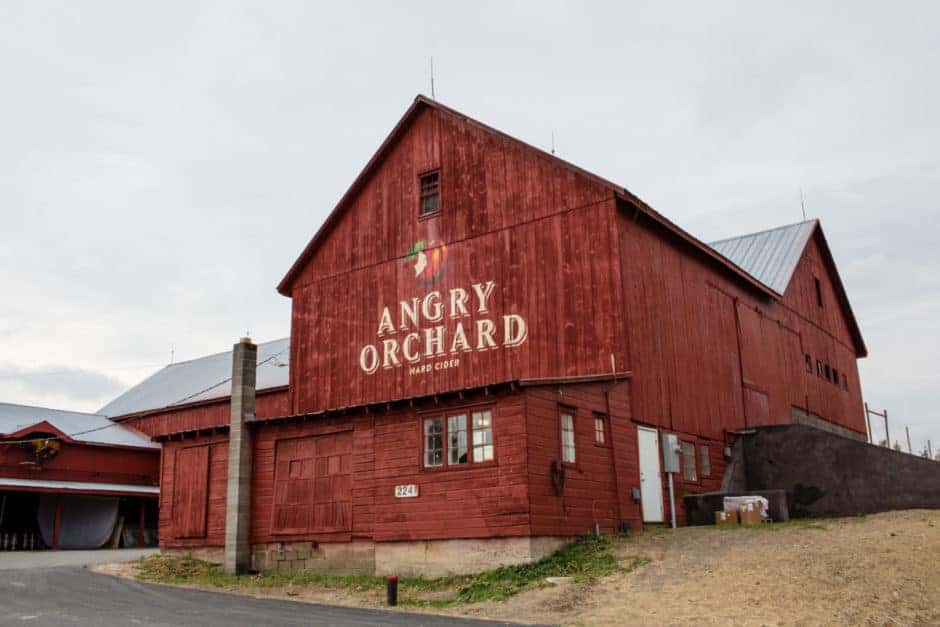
<point x="428" y="260"/>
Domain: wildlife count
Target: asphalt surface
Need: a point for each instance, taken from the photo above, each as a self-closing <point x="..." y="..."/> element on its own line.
<point x="72" y="595"/>
<point x="18" y="560"/>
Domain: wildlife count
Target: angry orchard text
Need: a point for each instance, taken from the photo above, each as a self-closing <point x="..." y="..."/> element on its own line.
<point x="430" y="333"/>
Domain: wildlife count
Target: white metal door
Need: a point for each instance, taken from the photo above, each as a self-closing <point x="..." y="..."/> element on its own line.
<point x="651" y="482"/>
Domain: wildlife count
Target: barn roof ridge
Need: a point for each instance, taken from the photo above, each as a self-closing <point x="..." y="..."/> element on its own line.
<point x="45" y="408"/>
<point x="762" y="231"/>
<point x="401" y="126"/>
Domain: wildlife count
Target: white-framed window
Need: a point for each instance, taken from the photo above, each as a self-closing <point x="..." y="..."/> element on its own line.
<point x="433" y="442"/>
<point x="482" y="436"/>
<point x="567" y="437"/>
<point x="457" y="439"/>
<point x="447" y="438"/>
<point x="688" y="461"/>
<point x="600" y="429"/>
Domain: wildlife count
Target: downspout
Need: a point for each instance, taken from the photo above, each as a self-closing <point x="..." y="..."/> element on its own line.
<point x="737" y="334"/>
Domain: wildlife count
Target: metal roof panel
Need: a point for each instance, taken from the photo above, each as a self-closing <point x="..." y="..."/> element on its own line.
<point x="81" y="427"/>
<point x="769" y="256"/>
<point x="204" y="378"/>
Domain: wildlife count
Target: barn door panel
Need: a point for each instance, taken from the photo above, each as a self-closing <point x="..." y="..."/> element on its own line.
<point x="313" y="484"/>
<point x="191" y="482"/>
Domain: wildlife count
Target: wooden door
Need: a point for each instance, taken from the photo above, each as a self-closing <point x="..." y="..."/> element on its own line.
<point x="190" y="488"/>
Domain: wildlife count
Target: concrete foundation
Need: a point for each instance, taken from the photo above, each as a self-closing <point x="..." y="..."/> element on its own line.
<point x="437" y="558"/>
<point x="429" y="558"/>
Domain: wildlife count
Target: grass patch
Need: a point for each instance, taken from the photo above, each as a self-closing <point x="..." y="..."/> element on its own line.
<point x="585" y="559"/>
<point x="189" y="570"/>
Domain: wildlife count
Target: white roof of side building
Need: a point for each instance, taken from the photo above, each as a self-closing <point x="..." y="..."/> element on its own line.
<point x="78" y="426"/>
<point x="205" y="378"/>
<point x="769" y="256"/>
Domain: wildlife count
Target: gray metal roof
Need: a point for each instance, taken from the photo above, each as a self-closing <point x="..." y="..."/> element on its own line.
<point x="201" y="379"/>
<point x="91" y="428"/>
<point x="769" y="256"/>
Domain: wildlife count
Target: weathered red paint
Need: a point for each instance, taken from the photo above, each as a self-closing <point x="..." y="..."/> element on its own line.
<point x="82" y="462"/>
<point x="628" y="318"/>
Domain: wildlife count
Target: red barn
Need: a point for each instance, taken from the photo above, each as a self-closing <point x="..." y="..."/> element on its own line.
<point x="74" y="481"/>
<point x="486" y="345"/>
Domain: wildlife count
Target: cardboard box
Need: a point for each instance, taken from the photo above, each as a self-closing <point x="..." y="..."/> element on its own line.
<point x="750" y="514"/>
<point x="726" y="519"/>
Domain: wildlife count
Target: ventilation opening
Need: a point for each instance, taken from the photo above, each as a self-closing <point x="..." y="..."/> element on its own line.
<point x="430" y="194"/>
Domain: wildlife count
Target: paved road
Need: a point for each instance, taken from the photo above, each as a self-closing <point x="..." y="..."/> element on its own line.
<point x="46" y="559"/>
<point x="71" y="595"/>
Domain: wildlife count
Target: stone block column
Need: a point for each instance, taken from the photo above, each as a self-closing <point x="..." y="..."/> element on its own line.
<point x="238" y="501"/>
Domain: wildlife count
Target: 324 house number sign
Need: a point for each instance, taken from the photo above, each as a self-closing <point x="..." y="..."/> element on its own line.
<point x="406" y="491"/>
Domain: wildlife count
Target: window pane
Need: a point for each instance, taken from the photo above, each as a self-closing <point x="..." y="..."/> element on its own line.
<point x="433" y="441"/>
<point x="599" y="429"/>
<point x="482" y="436"/>
<point x="704" y="461"/>
<point x="457" y="439"/>
<point x="567" y="438"/>
<point x="688" y="462"/>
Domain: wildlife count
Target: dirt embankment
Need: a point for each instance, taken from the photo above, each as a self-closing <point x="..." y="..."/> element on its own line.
<point x="880" y="569"/>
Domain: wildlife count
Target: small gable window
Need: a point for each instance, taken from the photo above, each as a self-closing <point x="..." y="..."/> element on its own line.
<point x="430" y="197"/>
<point x="819" y="301"/>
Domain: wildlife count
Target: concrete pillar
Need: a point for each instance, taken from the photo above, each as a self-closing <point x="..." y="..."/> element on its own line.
<point x="238" y="502"/>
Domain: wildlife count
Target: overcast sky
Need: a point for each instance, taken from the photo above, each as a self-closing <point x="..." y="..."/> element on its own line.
<point x="162" y="164"/>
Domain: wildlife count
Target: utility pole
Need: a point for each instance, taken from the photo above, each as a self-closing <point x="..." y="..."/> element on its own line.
<point x="908" y="430"/>
<point x="887" y="436"/>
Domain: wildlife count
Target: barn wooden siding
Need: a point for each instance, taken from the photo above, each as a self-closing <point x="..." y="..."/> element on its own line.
<point x="204" y="415"/>
<point x="193" y="492"/>
<point x="710" y="356"/>
<point x="541" y="232"/>
<point x="85" y="462"/>
<point x="333" y="479"/>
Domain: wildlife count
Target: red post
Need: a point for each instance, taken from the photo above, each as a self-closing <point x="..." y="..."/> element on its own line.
<point x="57" y="521"/>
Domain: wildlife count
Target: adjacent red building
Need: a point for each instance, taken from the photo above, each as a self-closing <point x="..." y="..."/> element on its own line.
<point x="74" y="480"/>
<point x="487" y="344"/>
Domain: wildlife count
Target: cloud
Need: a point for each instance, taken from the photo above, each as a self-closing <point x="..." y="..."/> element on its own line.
<point x="59" y="382"/>
<point x="163" y="164"/>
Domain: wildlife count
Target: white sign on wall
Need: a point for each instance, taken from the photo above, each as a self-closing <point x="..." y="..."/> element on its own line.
<point x="406" y="491"/>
